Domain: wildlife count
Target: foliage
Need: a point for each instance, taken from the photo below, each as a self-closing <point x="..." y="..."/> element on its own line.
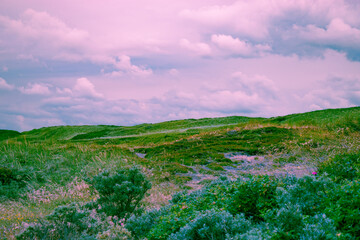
<point x="341" y="167"/>
<point x="43" y="169"/>
<point x="253" y="197"/>
<point x="212" y="224"/>
<point x="121" y="192"/>
<point x="311" y="193"/>
<point x="259" y="208"/>
<point x="343" y="207"/>
<point x="66" y="222"/>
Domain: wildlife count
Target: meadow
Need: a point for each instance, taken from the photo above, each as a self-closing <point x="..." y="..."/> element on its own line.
<point x="287" y="177"/>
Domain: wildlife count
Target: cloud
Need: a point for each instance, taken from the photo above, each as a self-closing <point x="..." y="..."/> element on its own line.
<point x="337" y="33"/>
<point x="338" y="92"/>
<point x="124" y="65"/>
<point x="199" y="48"/>
<point x="255" y="18"/>
<point x="240" y="94"/>
<point x="35" y="89"/>
<point x="84" y="88"/>
<point x="40" y="34"/>
<point x="285" y="27"/>
<point x="235" y="46"/>
<point x="173" y="72"/>
<point x="5" y="85"/>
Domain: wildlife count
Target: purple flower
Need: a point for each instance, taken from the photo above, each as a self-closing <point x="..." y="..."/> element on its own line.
<point x="314" y="173"/>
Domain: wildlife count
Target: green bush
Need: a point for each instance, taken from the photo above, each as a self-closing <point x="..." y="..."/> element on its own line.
<point x="253" y="197"/>
<point x="288" y="220"/>
<point x="120" y="193"/>
<point x="320" y="227"/>
<point x="13" y="182"/>
<point x="141" y="225"/>
<point x="67" y="222"/>
<point x="310" y="193"/>
<point x="343" y="207"/>
<point x="212" y="225"/>
<point x="340" y="167"/>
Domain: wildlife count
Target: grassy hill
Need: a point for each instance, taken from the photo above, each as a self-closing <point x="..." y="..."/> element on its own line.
<point x="49" y="167"/>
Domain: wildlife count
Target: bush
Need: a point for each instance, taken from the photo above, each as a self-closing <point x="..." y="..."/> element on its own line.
<point x="340" y="167"/>
<point x="310" y="193"/>
<point x="140" y="226"/>
<point x="319" y="227"/>
<point x="212" y="225"/>
<point x="13" y="182"/>
<point x="343" y="207"/>
<point x="66" y="222"/>
<point x="253" y="197"/>
<point x="116" y="231"/>
<point x="121" y="192"/>
<point x="288" y="220"/>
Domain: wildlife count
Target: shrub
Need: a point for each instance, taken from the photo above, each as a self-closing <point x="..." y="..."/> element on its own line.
<point x="340" y="167"/>
<point x="121" y="192"/>
<point x="212" y="225"/>
<point x="116" y="231"/>
<point x="253" y="197"/>
<point x="141" y="225"/>
<point x="288" y="220"/>
<point x="308" y="192"/>
<point x="343" y="207"/>
<point x="6" y="175"/>
<point x="319" y="227"/>
<point x="66" y="222"/>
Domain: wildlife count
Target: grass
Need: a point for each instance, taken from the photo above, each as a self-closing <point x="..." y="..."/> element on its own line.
<point x="45" y="168"/>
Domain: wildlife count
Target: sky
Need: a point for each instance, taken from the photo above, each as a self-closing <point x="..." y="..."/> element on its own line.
<point x="126" y="62"/>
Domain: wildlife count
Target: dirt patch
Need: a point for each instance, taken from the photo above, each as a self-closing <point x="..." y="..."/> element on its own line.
<point x="245" y="164"/>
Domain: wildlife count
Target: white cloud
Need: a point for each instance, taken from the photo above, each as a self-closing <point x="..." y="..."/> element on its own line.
<point x="85" y="88"/>
<point x="124" y="65"/>
<point x="338" y="92"/>
<point x="199" y="48"/>
<point x="236" y="46"/>
<point x="337" y="33"/>
<point x="173" y="72"/>
<point x="255" y="18"/>
<point x="5" y="85"/>
<point x="35" y="89"/>
<point x="40" y="34"/>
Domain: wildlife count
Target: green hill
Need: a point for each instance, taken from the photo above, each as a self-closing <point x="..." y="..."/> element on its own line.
<point x="7" y="134"/>
<point x="45" y="168"/>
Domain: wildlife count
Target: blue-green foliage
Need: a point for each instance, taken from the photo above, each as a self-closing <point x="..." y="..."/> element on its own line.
<point x="212" y="224"/>
<point x="260" y="207"/>
<point x="340" y="167"/>
<point x="67" y="222"/>
<point x="119" y="196"/>
<point x="121" y="192"/>
<point x="310" y="193"/>
<point x="253" y="197"/>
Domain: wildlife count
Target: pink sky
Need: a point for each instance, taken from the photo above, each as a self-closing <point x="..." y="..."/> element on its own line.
<point x="129" y="62"/>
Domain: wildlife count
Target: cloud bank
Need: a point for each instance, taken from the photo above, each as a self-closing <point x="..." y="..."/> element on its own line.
<point x="140" y="61"/>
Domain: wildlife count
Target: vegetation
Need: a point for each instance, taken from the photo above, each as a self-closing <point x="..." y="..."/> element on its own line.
<point x="288" y="177"/>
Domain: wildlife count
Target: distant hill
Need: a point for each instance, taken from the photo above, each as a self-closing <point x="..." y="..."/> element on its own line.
<point x="330" y="118"/>
<point x="6" y="134"/>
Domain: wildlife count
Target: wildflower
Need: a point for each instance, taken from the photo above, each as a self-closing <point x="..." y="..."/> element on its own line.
<point x="314" y="173"/>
